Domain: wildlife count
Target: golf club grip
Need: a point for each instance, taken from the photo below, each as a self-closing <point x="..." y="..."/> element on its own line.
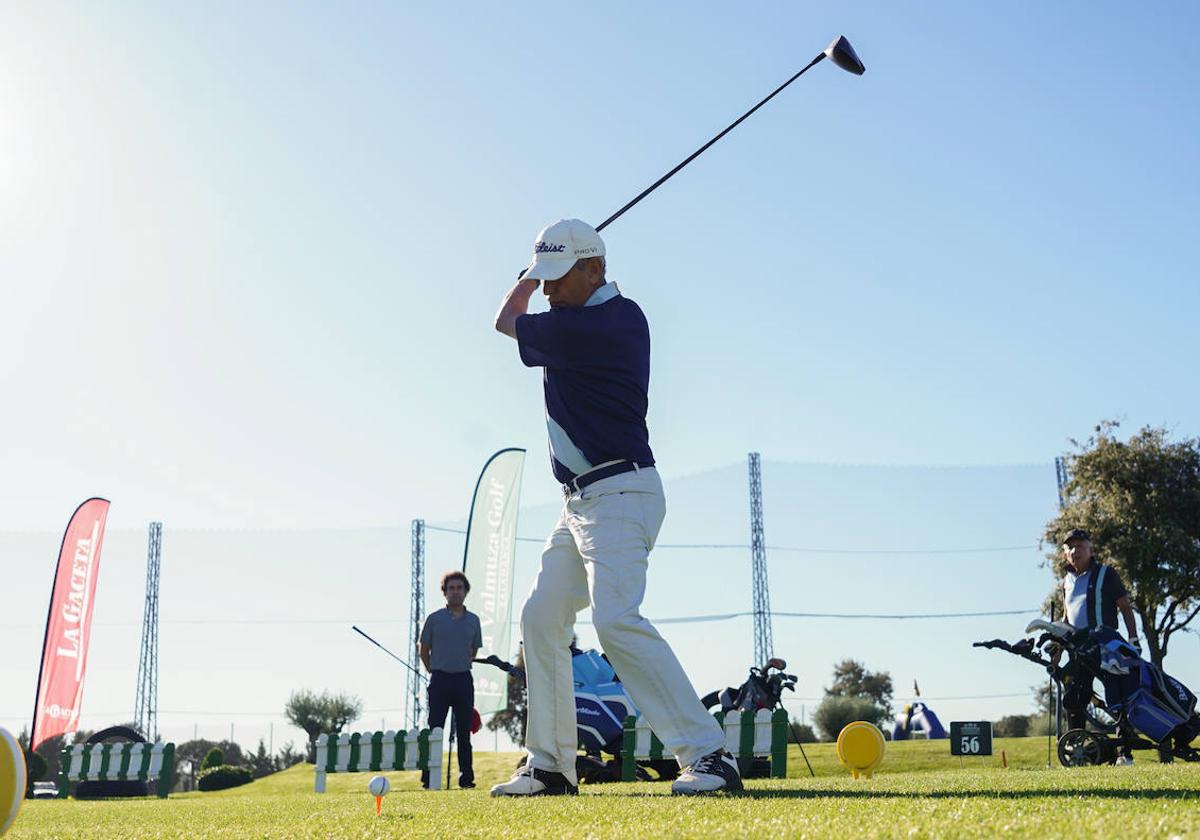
<point x="701" y="150"/>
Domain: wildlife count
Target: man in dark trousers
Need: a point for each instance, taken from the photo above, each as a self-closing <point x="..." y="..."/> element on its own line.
<point x="594" y="348"/>
<point x="1093" y="593"/>
<point x="449" y="641"/>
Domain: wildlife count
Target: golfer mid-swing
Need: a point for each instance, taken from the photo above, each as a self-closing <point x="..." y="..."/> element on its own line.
<point x="594" y="345"/>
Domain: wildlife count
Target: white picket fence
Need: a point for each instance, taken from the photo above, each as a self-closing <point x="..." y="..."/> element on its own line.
<point x="360" y="752"/>
<point x="125" y="761"/>
<point x="761" y="734"/>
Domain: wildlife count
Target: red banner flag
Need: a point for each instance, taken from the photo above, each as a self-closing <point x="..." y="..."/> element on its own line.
<point x="69" y="624"/>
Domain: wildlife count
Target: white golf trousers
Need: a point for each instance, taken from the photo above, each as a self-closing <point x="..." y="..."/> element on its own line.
<point x="598" y="554"/>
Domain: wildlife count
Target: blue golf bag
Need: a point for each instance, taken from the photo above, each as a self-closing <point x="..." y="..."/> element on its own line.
<point x="601" y="706"/>
<point x="1155" y="703"/>
<point x="601" y="703"/>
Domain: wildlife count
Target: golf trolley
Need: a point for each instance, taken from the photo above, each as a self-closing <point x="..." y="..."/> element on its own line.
<point x="1143" y="707"/>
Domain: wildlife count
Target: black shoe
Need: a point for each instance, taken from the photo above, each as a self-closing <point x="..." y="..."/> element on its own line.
<point x="715" y="771"/>
<point x="466" y="783"/>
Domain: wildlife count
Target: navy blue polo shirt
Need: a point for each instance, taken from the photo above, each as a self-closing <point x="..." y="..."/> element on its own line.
<point x="597" y="376"/>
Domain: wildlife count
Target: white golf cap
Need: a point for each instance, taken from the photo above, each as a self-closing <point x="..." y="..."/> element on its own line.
<point x="559" y="245"/>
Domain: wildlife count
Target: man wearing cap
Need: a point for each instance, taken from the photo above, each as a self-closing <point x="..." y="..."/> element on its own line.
<point x="1092" y="594"/>
<point x="594" y="348"/>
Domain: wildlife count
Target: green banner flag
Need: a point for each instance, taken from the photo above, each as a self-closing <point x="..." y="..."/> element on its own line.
<point x="488" y="564"/>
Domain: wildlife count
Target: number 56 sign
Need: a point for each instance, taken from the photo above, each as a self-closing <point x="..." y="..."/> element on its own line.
<point x="971" y="737"/>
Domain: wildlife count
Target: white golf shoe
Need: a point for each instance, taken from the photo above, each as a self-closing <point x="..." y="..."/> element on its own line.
<point x="714" y="772"/>
<point x="533" y="781"/>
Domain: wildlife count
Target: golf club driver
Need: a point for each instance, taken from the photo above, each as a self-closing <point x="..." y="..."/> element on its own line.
<point x="389" y="653"/>
<point x="839" y="51"/>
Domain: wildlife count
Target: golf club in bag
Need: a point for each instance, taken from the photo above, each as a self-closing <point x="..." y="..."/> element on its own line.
<point x="761" y="690"/>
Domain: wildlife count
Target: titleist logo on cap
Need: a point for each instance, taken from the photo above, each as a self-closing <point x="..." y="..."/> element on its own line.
<point x="546" y="248"/>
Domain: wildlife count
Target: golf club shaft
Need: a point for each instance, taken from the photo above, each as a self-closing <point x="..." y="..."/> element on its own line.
<point x="699" y="151"/>
<point x="389" y="653"/>
<point x="796" y="735"/>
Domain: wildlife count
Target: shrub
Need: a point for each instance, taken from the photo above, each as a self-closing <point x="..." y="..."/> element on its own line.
<point x="801" y="733"/>
<point x="1011" y="726"/>
<point x="213" y="758"/>
<point x="1041" y="725"/>
<point x="223" y="776"/>
<point x="835" y="712"/>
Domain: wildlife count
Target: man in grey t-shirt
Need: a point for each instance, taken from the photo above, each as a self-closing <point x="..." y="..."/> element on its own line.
<point x="449" y="641"/>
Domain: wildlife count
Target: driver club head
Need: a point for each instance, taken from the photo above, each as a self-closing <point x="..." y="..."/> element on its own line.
<point x="776" y="663"/>
<point x="844" y="56"/>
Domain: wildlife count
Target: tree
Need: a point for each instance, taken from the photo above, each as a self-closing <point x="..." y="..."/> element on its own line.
<point x="35" y="770"/>
<point x="51" y="751"/>
<point x="856" y="694"/>
<point x="317" y="714"/>
<point x="213" y="758"/>
<point x="190" y="754"/>
<point x="1140" y="501"/>
<point x="1043" y="699"/>
<point x="1041" y="721"/>
<point x="801" y="733"/>
<point x="233" y="753"/>
<point x="288" y="755"/>
<point x="1011" y="726"/>
<point x="512" y="720"/>
<point x="852" y="679"/>
<point x="835" y="711"/>
<point x="47" y="750"/>
<point x="261" y="762"/>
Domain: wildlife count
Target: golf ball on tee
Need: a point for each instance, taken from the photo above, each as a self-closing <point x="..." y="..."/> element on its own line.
<point x="378" y="786"/>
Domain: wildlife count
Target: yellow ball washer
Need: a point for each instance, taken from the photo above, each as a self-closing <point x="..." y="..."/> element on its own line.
<point x="12" y="779"/>
<point x="860" y="748"/>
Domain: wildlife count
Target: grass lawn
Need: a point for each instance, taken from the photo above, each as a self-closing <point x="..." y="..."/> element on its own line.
<point x="920" y="791"/>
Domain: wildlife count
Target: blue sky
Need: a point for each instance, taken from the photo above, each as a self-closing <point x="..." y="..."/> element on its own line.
<point x="251" y="255"/>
